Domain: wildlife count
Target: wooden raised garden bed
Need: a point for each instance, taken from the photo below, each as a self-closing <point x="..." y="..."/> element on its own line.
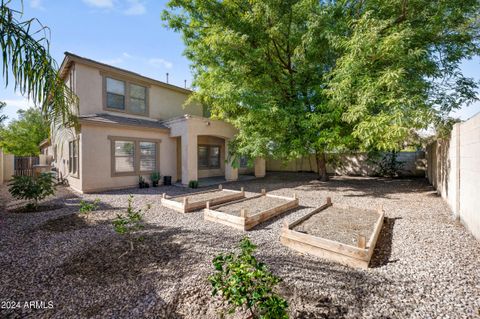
<point x="195" y="201"/>
<point x="336" y="233"/>
<point x="246" y="213"/>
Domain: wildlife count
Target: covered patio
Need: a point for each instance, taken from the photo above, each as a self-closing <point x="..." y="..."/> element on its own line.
<point x="202" y="152"/>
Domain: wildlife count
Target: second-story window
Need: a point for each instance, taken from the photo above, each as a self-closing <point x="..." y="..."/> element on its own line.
<point x="115" y="94"/>
<point x="138" y="102"/>
<point x="125" y="96"/>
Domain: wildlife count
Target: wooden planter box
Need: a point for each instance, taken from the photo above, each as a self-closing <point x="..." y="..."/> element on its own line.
<point x="187" y="203"/>
<point x="328" y="249"/>
<point x="244" y="220"/>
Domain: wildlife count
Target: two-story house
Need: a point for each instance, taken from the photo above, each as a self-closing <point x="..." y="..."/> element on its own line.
<point x="132" y="125"/>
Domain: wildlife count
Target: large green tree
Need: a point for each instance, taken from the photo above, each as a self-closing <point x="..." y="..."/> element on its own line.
<point x="301" y="76"/>
<point x="22" y="136"/>
<point x="27" y="61"/>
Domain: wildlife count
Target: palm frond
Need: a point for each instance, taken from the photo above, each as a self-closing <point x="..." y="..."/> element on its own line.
<point x="26" y="58"/>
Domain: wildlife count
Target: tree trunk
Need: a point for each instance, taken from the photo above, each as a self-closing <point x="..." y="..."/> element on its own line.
<point x="322" y="166"/>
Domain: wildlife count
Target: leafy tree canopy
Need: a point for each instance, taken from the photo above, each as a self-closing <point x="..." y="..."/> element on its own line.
<point x="303" y="76"/>
<point x="21" y="137"/>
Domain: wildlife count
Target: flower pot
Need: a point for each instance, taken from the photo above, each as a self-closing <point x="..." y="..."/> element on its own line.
<point x="167" y="180"/>
<point x="154" y="183"/>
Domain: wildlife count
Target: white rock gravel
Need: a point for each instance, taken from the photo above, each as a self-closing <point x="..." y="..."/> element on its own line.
<point x="426" y="265"/>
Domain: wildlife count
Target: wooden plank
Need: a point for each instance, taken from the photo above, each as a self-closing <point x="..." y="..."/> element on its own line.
<point x="376" y="233"/>
<point x="329" y="249"/>
<point x="247" y="221"/>
<point x="187" y="206"/>
<point x="326" y="244"/>
<point x="226" y="219"/>
<point x="322" y="253"/>
<point x="252" y="221"/>
<point x="313" y="212"/>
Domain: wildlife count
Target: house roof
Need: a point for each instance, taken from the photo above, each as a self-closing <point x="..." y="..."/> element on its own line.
<point x="71" y="57"/>
<point x="109" y="119"/>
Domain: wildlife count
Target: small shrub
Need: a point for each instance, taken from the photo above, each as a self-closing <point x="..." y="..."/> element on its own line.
<point x="155" y="177"/>
<point x="141" y="182"/>
<point x="127" y="224"/>
<point x="388" y="164"/>
<point x="33" y="189"/>
<point x="87" y="207"/>
<point x="193" y="184"/>
<point x="247" y="283"/>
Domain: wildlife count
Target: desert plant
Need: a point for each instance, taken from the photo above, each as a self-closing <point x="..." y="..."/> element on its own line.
<point x="193" y="184"/>
<point x="387" y="164"/>
<point x="33" y="189"/>
<point x="87" y="207"/>
<point x="244" y="282"/>
<point x="142" y="183"/>
<point x="126" y="224"/>
<point x="155" y="177"/>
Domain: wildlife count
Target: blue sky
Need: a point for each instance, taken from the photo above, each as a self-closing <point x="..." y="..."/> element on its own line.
<point x="127" y="34"/>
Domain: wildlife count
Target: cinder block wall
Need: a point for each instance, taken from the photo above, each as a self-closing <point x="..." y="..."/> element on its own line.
<point x="351" y="164"/>
<point x="453" y="168"/>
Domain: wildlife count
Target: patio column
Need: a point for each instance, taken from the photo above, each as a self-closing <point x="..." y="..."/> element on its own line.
<point x="189" y="158"/>
<point x="260" y="167"/>
<point x="231" y="173"/>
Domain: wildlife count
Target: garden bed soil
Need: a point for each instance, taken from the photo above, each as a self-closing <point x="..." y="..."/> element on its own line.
<point x="196" y="201"/>
<point x="346" y="235"/>
<point x="247" y="213"/>
<point x="340" y="224"/>
<point x="252" y="205"/>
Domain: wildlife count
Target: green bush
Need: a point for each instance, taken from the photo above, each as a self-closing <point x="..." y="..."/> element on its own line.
<point x="126" y="224"/>
<point x="193" y="184"/>
<point x="87" y="207"/>
<point x="245" y="282"/>
<point x="387" y="164"/>
<point x="33" y="189"/>
<point x="155" y="176"/>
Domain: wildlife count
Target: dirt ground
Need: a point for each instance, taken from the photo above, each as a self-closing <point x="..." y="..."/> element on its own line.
<point x="425" y="264"/>
<point x="251" y="205"/>
<point x="340" y="224"/>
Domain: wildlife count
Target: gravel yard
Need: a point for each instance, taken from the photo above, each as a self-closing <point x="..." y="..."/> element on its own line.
<point x="252" y="206"/>
<point x="425" y="264"/>
<point x="340" y="224"/>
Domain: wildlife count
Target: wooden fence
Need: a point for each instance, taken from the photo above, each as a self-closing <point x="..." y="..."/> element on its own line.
<point x="23" y="165"/>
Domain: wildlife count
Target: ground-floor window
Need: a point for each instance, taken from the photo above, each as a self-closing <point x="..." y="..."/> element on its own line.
<point x="208" y="156"/>
<point x="73" y="157"/>
<point x="243" y="161"/>
<point x="134" y="156"/>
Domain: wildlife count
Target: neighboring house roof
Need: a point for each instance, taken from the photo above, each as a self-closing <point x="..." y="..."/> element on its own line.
<point x="70" y="57"/>
<point x="45" y="143"/>
<point x="109" y="119"/>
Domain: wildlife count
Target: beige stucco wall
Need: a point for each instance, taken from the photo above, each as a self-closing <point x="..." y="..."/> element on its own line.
<point x="163" y="103"/>
<point x="453" y="169"/>
<point x="188" y="128"/>
<point x="350" y="164"/>
<point x="8" y="166"/>
<point x="96" y="156"/>
<point x="60" y="160"/>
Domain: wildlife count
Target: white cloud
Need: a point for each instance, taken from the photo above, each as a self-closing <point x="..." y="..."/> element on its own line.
<point x="135" y="7"/>
<point x="159" y="63"/>
<point x="104" y="4"/>
<point x="118" y="60"/>
<point x="36" y="4"/>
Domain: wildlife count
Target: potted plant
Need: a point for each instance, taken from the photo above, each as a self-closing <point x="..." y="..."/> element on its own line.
<point x="167" y="180"/>
<point x="155" y="177"/>
<point x="142" y="183"/>
<point x="193" y="184"/>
